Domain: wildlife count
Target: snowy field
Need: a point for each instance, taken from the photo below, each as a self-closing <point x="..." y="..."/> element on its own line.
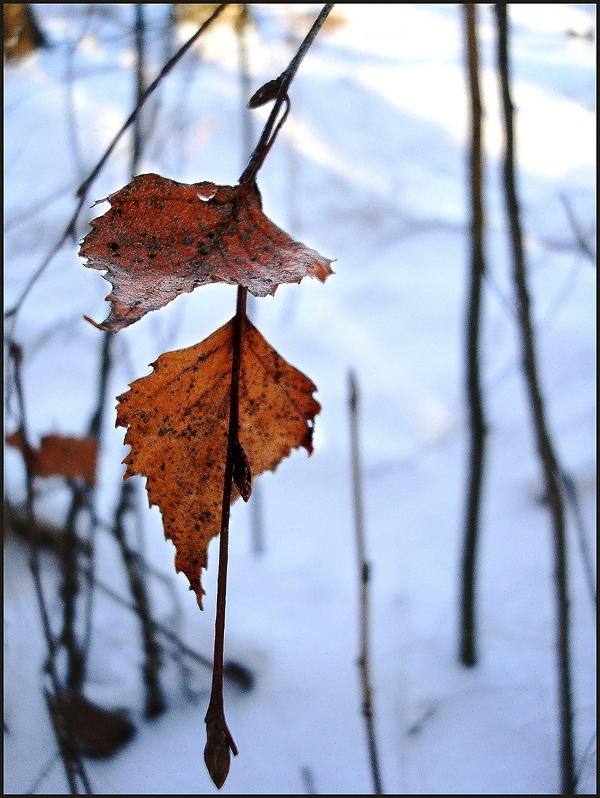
<point x="371" y="170"/>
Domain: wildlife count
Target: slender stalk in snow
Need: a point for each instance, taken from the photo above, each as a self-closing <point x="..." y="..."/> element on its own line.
<point x="548" y="459"/>
<point x="477" y="427"/>
<point x="364" y="579"/>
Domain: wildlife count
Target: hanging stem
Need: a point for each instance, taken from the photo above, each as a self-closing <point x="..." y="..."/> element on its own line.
<point x="364" y="578"/>
<point x="547" y="456"/>
<point x="219" y="741"/>
<point x="477" y="427"/>
<point x="281" y="86"/>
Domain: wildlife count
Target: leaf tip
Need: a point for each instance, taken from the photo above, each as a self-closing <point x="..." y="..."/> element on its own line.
<point x="96" y="325"/>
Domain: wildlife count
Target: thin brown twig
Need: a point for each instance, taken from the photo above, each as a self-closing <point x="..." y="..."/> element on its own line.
<point x="477" y="425"/>
<point x="82" y="191"/>
<point x="364" y="580"/>
<point x="155" y="703"/>
<point x="83" y="188"/>
<point x="51" y="538"/>
<point x="548" y="459"/>
<point x="284" y="82"/>
<point x="140" y="58"/>
<point x="71" y="758"/>
<point x="219" y="741"/>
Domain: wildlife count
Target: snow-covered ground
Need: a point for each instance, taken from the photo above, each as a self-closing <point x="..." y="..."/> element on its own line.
<point x="370" y="169"/>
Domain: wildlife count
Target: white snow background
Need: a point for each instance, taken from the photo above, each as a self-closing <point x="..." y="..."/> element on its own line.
<point x="370" y="169"/>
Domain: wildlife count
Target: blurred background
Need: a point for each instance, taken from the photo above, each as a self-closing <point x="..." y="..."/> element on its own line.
<point x="370" y="169"/>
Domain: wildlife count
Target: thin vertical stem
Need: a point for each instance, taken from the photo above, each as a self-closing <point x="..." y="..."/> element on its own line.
<point x="76" y="651"/>
<point x="140" y="58"/>
<point x="548" y="460"/>
<point x="219" y="740"/>
<point x="285" y="80"/>
<point x="477" y="427"/>
<point x="70" y="755"/>
<point x="155" y="703"/>
<point x="364" y="579"/>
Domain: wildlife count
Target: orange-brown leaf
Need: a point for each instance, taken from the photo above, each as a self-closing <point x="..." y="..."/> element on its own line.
<point x="178" y="419"/>
<point x="161" y="239"/>
<point x="68" y="457"/>
<point x="62" y="456"/>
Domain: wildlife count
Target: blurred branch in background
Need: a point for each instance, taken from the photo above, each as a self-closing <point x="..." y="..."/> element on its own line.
<point x="546" y="451"/>
<point x="364" y="579"/>
<point x="477" y="425"/>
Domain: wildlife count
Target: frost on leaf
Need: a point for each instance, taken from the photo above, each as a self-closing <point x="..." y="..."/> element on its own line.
<point x="161" y="238"/>
<point x="178" y="419"/>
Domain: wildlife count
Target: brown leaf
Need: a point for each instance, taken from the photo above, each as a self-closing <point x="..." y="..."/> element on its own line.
<point x="99" y="733"/>
<point x="178" y="418"/>
<point x="60" y="455"/>
<point x="161" y="239"/>
<point x="68" y="457"/>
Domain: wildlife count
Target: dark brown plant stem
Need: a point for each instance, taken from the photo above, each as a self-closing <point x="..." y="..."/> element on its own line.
<point x="364" y="578"/>
<point x="70" y="588"/>
<point x="284" y="81"/>
<point x="71" y="758"/>
<point x="155" y="700"/>
<point x="70" y="230"/>
<point x="95" y="430"/>
<point x="477" y="426"/>
<point x="81" y="500"/>
<point x="548" y="459"/>
<point x="219" y="740"/>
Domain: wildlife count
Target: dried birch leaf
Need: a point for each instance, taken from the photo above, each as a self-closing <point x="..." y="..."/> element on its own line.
<point x="68" y="457"/>
<point x="62" y="456"/>
<point x="178" y="418"/>
<point x="161" y="239"/>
